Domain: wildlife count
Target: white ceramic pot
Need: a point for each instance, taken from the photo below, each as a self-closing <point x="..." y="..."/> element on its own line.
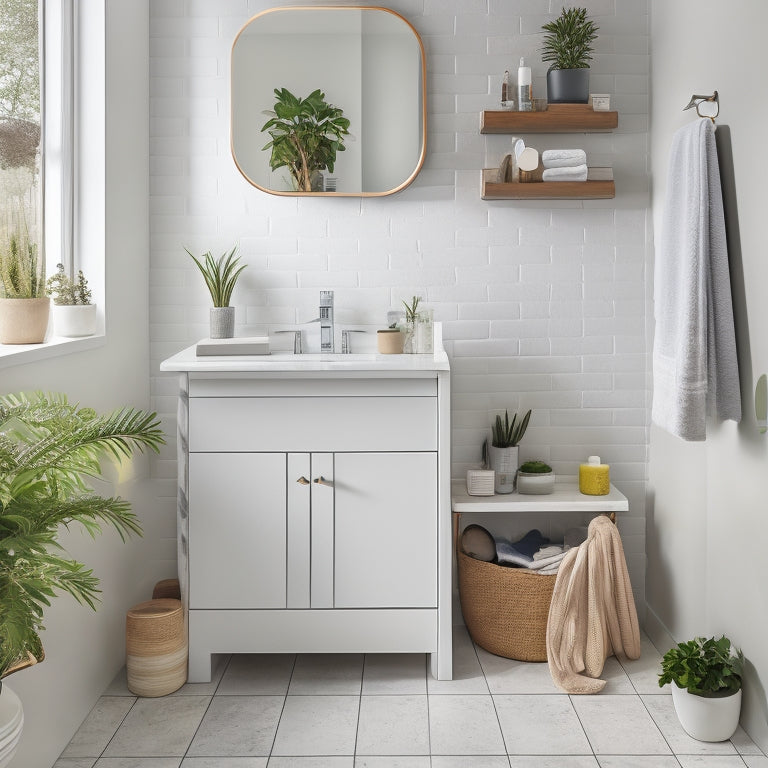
<point x="11" y="724"/>
<point x="390" y="341"/>
<point x="504" y="464"/>
<point x="24" y="321"/>
<point x="535" y="482"/>
<point x="704" y="718"/>
<point x="73" y="320"/>
<point x="222" y="322"/>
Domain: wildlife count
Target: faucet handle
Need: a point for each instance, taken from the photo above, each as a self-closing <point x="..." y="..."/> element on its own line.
<point x="346" y="340"/>
<point x="297" y="342"/>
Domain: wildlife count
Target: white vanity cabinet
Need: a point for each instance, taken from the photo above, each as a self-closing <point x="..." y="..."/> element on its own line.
<point x="314" y="509"/>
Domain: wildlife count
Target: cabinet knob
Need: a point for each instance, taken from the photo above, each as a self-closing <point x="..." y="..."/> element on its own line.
<point x="322" y="481"/>
<point x="303" y="481"/>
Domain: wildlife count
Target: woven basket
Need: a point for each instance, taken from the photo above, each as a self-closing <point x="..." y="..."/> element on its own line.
<point x="505" y="609"/>
<point x="167" y="588"/>
<point x="156" y="647"/>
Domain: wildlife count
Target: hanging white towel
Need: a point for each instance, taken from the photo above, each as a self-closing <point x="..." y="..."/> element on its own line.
<point x="563" y="158"/>
<point x="695" y="369"/>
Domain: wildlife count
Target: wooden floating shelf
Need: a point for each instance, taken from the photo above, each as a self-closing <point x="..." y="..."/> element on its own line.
<point x="591" y="189"/>
<point x="558" y="118"/>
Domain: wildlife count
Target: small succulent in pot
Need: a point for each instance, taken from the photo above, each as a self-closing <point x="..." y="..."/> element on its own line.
<point x="66" y="291"/>
<point x="535" y="467"/>
<point x="535" y="477"/>
<point x="503" y="451"/>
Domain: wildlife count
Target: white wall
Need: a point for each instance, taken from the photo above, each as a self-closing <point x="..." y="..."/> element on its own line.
<point x="707" y="570"/>
<point x="86" y="649"/>
<point x="543" y="304"/>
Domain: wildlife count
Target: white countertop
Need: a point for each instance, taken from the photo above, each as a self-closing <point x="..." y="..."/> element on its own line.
<point x="565" y="498"/>
<point x="370" y="363"/>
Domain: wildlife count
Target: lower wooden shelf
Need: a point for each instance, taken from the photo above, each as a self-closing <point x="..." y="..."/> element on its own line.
<point x="591" y="189"/>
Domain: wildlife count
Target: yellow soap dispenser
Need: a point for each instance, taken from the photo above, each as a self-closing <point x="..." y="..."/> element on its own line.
<point x="594" y="477"/>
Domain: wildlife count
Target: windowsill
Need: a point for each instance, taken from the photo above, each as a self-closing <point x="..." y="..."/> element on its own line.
<point x="16" y="354"/>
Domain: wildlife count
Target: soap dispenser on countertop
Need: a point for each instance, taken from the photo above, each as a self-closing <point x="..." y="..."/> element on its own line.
<point x="594" y="477"/>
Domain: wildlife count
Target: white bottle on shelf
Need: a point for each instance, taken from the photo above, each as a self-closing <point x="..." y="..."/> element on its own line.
<point x="524" y="103"/>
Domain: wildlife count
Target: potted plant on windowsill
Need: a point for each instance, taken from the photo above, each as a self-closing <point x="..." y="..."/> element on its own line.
<point x="503" y="451"/>
<point x="568" y="46"/>
<point x="24" y="307"/>
<point x="706" y="686"/>
<point x="73" y="313"/>
<point x="306" y="135"/>
<point x="220" y="277"/>
<point x="48" y="449"/>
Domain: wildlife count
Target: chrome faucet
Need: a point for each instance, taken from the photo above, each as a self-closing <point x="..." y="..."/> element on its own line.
<point x="326" y="322"/>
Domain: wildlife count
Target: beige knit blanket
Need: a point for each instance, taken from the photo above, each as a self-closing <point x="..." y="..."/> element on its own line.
<point x="592" y="614"/>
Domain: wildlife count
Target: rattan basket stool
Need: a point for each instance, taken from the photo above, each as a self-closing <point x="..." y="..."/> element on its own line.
<point x="167" y="588"/>
<point x="156" y="647"/>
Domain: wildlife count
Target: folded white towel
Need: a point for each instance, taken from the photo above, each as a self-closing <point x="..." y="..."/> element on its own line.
<point x="546" y="563"/>
<point x="544" y="552"/>
<point x="563" y="158"/>
<point x="575" y="173"/>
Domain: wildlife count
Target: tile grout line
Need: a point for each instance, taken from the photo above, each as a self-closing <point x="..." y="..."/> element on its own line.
<point x="282" y="709"/>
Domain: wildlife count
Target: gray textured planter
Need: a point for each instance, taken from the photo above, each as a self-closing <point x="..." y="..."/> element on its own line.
<point x="568" y="86"/>
<point x="222" y="322"/>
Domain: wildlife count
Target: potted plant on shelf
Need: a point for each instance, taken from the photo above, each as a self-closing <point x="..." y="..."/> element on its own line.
<point x="411" y="311"/>
<point x="73" y="313"/>
<point x="535" y="477"/>
<point x="568" y="46"/>
<point x="306" y="135"/>
<point x="706" y="686"/>
<point x="48" y="449"/>
<point x="220" y="276"/>
<point x="24" y="307"/>
<point x="503" y="451"/>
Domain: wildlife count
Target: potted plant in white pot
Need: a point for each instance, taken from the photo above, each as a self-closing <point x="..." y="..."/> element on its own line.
<point x="503" y="451"/>
<point x="706" y="686"/>
<point x="48" y="448"/>
<point x="24" y="307"/>
<point x="220" y="276"/>
<point x="73" y="312"/>
<point x="568" y="47"/>
<point x="535" y="477"/>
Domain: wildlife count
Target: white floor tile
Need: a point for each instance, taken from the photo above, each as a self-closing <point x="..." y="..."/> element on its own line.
<point x="511" y="676"/>
<point x="619" y="725"/>
<point x="396" y="673"/>
<point x="317" y="725"/>
<point x="218" y="665"/>
<point x="224" y="762"/>
<point x="644" y="672"/>
<point x="475" y="761"/>
<point x="311" y="762"/>
<point x="755" y="761"/>
<point x="467" y="673"/>
<point x="393" y="725"/>
<point x="616" y="679"/>
<point x="75" y="762"/>
<point x="327" y="674"/>
<point x="744" y="745"/>
<point x="710" y="761"/>
<point x="238" y="726"/>
<point x="257" y="674"/>
<point x="393" y="762"/>
<point x="550" y="761"/>
<point x="540" y="725"/>
<point x="663" y="712"/>
<point x="158" y="727"/>
<point x="138" y="762"/>
<point x="638" y="761"/>
<point x="464" y="725"/>
<point x="99" y="726"/>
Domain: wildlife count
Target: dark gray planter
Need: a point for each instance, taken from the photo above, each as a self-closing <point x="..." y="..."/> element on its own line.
<point x="568" y="86"/>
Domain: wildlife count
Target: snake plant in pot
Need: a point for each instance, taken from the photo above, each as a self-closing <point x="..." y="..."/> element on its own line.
<point x="503" y="451"/>
<point x="220" y="277"/>
<point x="705" y="675"/>
<point x="568" y="46"/>
<point x="48" y="449"/>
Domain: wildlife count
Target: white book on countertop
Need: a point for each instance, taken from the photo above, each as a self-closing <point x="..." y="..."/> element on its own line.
<point x="242" y="345"/>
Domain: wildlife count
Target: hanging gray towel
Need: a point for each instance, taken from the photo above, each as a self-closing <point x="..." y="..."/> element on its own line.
<point x="695" y="370"/>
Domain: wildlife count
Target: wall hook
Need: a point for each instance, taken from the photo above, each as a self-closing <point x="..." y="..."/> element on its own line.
<point x="697" y="99"/>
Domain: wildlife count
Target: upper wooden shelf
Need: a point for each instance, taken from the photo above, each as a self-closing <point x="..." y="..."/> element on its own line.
<point x="558" y="118"/>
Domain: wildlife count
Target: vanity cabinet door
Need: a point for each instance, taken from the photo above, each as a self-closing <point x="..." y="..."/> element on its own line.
<point x="237" y="530"/>
<point x="385" y="530"/>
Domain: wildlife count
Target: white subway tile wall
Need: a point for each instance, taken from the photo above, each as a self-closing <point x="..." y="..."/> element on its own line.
<point x="544" y="304"/>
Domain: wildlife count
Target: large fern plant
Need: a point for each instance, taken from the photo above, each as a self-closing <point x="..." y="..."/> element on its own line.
<point x="306" y="135"/>
<point x="48" y="448"/>
<point x="569" y="38"/>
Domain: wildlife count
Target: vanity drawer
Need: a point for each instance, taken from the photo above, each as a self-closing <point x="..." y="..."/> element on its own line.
<point x="313" y="424"/>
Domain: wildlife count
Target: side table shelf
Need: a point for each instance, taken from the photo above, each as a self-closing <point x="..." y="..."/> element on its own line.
<point x="557" y="118"/>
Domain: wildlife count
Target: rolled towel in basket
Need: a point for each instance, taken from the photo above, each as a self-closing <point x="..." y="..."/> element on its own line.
<point x="576" y="173"/>
<point x="563" y="158"/>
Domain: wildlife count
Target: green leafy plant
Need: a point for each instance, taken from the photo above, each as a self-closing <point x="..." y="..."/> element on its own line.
<point x="535" y="467"/>
<point x="22" y="272"/>
<point x="220" y="274"/>
<point x="704" y="667"/>
<point x="65" y="290"/>
<point x="48" y="447"/>
<point x="306" y="135"/>
<point x="569" y="38"/>
<point x="508" y="434"/>
<point x="412" y="308"/>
